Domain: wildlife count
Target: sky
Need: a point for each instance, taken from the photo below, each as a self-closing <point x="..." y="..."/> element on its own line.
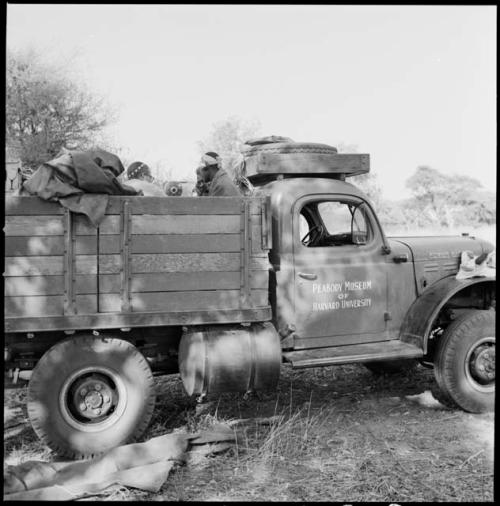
<point x="410" y="85"/>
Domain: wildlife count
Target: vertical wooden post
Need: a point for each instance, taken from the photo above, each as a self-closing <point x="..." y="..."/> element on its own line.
<point x="125" y="274"/>
<point x="246" y="248"/>
<point x="266" y="232"/>
<point x="69" y="263"/>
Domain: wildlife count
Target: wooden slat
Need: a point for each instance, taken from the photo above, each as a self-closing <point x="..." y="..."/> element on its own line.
<point x="33" y="225"/>
<point x="108" y="264"/>
<point x="313" y="163"/>
<point x="169" y="262"/>
<point x="33" y="266"/>
<point x="111" y="264"/>
<point x="50" y="285"/>
<point x="182" y="205"/>
<point x="186" y="281"/>
<point x="15" y="205"/>
<point x="189" y="243"/>
<point x="34" y="246"/>
<point x="185" y="224"/>
<point x="34" y="306"/>
<point x="27" y="205"/>
<point x="189" y="262"/>
<point x="109" y="244"/>
<point x="109" y="225"/>
<point x="171" y="301"/>
<point x="110" y="283"/>
<point x="142" y="319"/>
<point x="54" y="245"/>
<point x="33" y="285"/>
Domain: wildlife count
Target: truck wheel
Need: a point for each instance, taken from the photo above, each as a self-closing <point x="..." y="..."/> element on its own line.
<point x="89" y="394"/>
<point x="391" y="366"/>
<point x="464" y="363"/>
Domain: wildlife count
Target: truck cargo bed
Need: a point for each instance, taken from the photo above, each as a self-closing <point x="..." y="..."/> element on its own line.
<point x="152" y="261"/>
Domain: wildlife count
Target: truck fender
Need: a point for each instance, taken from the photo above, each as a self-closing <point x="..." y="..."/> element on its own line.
<point x="418" y="322"/>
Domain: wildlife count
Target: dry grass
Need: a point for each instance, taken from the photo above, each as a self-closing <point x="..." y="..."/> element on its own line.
<point x="337" y="434"/>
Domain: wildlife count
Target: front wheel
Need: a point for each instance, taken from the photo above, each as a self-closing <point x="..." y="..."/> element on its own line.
<point x="89" y="394"/>
<point x="464" y="363"/>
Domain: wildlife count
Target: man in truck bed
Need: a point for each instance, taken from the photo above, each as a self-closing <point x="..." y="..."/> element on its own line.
<point x="220" y="182"/>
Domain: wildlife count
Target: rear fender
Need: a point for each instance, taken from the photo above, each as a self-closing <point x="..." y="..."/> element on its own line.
<point x="420" y="318"/>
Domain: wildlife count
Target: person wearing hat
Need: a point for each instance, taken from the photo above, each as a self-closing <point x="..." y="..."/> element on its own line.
<point x="220" y="184"/>
<point x="140" y="178"/>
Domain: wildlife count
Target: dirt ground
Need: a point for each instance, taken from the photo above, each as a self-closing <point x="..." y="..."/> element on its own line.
<point x="339" y="434"/>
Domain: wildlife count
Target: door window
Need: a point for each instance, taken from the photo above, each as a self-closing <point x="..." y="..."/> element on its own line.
<point x="334" y="223"/>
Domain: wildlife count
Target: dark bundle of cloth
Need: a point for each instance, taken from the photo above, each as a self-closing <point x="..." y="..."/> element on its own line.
<point x="80" y="181"/>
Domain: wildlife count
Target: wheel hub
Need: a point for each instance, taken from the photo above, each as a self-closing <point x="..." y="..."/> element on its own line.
<point x="92" y="397"/>
<point x="483" y="363"/>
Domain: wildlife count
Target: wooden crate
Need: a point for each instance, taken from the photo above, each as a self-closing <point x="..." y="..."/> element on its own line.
<point x="152" y="261"/>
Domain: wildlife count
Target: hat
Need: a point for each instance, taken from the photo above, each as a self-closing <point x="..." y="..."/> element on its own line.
<point x="210" y="158"/>
<point x="137" y="170"/>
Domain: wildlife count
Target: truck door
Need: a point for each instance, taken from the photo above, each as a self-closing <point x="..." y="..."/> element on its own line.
<point x="340" y="272"/>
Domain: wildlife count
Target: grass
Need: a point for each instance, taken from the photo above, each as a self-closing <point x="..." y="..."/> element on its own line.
<point x="333" y="434"/>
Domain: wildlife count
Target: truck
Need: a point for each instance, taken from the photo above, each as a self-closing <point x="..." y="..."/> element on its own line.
<point x="226" y="291"/>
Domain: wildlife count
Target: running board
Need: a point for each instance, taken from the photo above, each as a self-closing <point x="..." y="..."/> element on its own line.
<point x="368" y="352"/>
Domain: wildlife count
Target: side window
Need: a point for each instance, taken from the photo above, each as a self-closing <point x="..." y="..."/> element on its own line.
<point x="334" y="223"/>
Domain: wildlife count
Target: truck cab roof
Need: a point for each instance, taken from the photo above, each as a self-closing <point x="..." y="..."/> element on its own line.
<point x="289" y="190"/>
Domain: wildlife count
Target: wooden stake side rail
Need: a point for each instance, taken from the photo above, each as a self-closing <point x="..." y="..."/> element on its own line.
<point x="184" y="260"/>
<point x="143" y="319"/>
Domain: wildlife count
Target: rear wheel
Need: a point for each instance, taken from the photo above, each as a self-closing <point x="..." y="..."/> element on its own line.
<point x="89" y="394"/>
<point x="464" y="363"/>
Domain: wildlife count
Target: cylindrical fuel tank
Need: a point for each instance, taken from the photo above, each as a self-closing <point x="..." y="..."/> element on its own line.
<point x="227" y="358"/>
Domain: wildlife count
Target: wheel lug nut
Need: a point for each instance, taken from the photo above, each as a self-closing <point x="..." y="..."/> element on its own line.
<point x="106" y="399"/>
<point x="481" y="367"/>
<point x="97" y="387"/>
<point x="83" y="406"/>
<point x="83" y="392"/>
<point x="97" y="411"/>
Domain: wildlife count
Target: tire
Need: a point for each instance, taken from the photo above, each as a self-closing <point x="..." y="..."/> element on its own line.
<point x="89" y="394"/>
<point x="290" y="147"/>
<point x="464" y="363"/>
<point x="381" y="367"/>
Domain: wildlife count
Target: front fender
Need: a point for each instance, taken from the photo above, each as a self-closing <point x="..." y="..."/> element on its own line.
<point x="419" y="319"/>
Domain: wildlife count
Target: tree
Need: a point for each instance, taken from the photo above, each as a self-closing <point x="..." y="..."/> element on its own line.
<point x="450" y="200"/>
<point x="47" y="111"/>
<point x="227" y="138"/>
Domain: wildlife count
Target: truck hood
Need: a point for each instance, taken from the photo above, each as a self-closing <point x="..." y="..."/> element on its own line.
<point x="437" y="257"/>
<point x="444" y="247"/>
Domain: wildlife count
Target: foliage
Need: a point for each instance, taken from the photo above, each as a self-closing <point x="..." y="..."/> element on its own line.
<point x="47" y="111"/>
<point x="227" y="138"/>
<point x="449" y="200"/>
